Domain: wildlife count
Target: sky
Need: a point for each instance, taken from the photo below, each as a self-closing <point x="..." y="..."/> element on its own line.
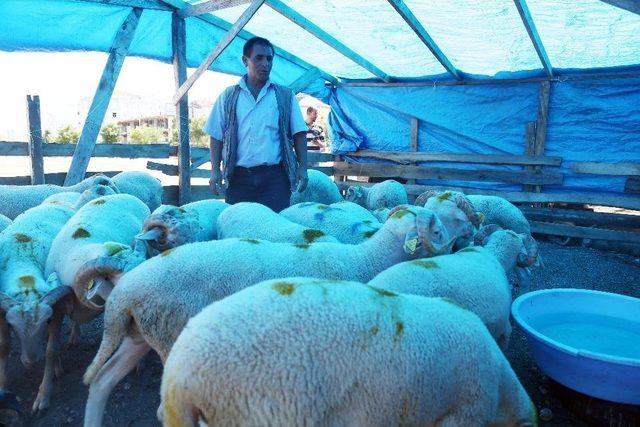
<point x="62" y="80"/>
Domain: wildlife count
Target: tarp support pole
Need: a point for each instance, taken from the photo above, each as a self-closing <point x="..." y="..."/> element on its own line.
<point x="632" y="6"/>
<point x="95" y="116"/>
<point x="413" y="141"/>
<point x="142" y="4"/>
<point x="179" y="44"/>
<point x="527" y="20"/>
<point x="541" y="123"/>
<point x="209" y="6"/>
<point x="325" y="37"/>
<point x="35" y="140"/>
<point x="423" y="35"/>
<point x="304" y="80"/>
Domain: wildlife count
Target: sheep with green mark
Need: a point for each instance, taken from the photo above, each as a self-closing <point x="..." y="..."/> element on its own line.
<point x="4" y="222"/>
<point x="475" y="277"/>
<point x="151" y="303"/>
<point x="257" y="221"/>
<point x="385" y="194"/>
<point x="75" y="200"/>
<point x="141" y="185"/>
<point x="302" y="351"/>
<point x="320" y="189"/>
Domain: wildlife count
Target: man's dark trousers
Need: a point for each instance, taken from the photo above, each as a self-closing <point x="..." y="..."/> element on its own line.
<point x="268" y="185"/>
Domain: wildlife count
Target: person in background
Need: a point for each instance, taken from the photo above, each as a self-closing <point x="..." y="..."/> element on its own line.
<point x="257" y="136"/>
<point x="315" y="137"/>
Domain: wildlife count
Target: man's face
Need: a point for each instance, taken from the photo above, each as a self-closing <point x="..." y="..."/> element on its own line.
<point x="313" y="115"/>
<point x="259" y="63"/>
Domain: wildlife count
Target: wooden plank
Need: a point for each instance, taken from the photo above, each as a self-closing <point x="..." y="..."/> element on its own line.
<point x="50" y="178"/>
<point x="198" y="192"/>
<point x="599" y="168"/>
<point x="632" y="6"/>
<point x="413" y="141"/>
<point x="422" y="172"/>
<point x="179" y="44"/>
<point x="529" y="149"/>
<point x="220" y="47"/>
<point x="209" y="6"/>
<point x="530" y="26"/>
<point x="95" y="116"/>
<point x="424" y="36"/>
<point x="581" y="217"/>
<point x="541" y="123"/>
<point x="584" y="232"/>
<point x="596" y="199"/>
<point x="172" y="170"/>
<point x="142" y="4"/>
<point x="489" y="159"/>
<point x="35" y="140"/>
<point x="327" y="38"/>
<point x="632" y="185"/>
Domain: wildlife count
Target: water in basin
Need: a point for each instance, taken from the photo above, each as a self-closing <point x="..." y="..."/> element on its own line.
<point x="596" y="333"/>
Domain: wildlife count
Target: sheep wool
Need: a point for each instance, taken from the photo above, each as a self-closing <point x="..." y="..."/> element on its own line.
<point x="500" y="211"/>
<point x="142" y="185"/>
<point x="302" y="351"/>
<point x="4" y="222"/>
<point x="320" y="189"/>
<point x="253" y="220"/>
<point x="385" y="194"/>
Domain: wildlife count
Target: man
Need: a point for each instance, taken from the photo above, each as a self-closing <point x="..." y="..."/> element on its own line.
<point x="258" y="133"/>
<point x="314" y="132"/>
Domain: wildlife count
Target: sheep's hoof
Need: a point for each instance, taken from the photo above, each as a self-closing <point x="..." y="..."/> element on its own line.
<point x="40" y="404"/>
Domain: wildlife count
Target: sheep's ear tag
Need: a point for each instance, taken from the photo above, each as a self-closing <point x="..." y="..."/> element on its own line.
<point x="411" y="242"/>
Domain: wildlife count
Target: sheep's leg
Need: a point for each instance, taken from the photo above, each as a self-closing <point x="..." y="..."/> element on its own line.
<point x="75" y="333"/>
<point x="119" y="365"/>
<point x="50" y="365"/>
<point x="5" y="348"/>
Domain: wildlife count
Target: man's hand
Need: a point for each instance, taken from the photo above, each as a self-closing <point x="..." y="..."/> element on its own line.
<point x="215" y="182"/>
<point x="302" y="179"/>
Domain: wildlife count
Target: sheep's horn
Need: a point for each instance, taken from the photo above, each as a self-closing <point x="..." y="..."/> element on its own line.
<point x="398" y="208"/>
<point x="151" y="234"/>
<point x="465" y="205"/>
<point x="531" y="247"/>
<point x="6" y="302"/>
<point x="56" y="294"/>
<point x="102" y="266"/>
<point x="421" y="200"/>
<point x="484" y="232"/>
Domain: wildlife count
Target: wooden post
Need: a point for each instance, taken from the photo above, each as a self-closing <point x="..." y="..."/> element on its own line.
<point x="35" y="140"/>
<point x="415" y="123"/>
<point x="178" y="37"/>
<point x="541" y="124"/>
<point x="95" y="116"/>
<point x="529" y="148"/>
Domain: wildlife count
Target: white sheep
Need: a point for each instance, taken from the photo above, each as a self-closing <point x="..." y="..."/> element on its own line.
<point x="475" y="277"/>
<point x="346" y="221"/>
<point x="28" y="301"/>
<point x="171" y="226"/>
<point x="320" y="189"/>
<point x="142" y="185"/>
<point x="103" y="227"/>
<point x="381" y="214"/>
<point x="257" y="221"/>
<point x="497" y="210"/>
<point x="385" y="194"/>
<point x="151" y="303"/>
<point x="15" y="199"/>
<point x="4" y="222"/>
<point x="75" y="200"/>
<point x="303" y="351"/>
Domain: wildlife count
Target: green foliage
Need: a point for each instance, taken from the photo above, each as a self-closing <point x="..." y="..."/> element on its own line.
<point x="197" y="137"/>
<point x="146" y="135"/>
<point x="68" y="134"/>
<point x="110" y="133"/>
<point x="47" y="136"/>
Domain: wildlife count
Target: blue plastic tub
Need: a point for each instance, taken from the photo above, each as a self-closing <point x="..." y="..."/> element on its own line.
<point x="586" y="340"/>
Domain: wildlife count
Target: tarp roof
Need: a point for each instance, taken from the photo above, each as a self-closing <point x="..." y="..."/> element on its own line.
<point x="485" y="39"/>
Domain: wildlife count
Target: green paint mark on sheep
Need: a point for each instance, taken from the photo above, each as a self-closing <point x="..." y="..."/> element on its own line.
<point x="374" y="330"/>
<point x="114" y="248"/>
<point x="368" y="234"/>
<point x="444" y="196"/>
<point x="27" y="282"/>
<point x="302" y="245"/>
<point x="425" y="263"/>
<point x="398" y="332"/>
<point x="367" y="221"/>
<point x="183" y="210"/>
<point x="323" y="207"/>
<point x="284" y="288"/>
<point x="22" y="238"/>
<point x="252" y="241"/>
<point x="311" y="234"/>
<point x="400" y="213"/>
<point x="382" y="292"/>
<point x="167" y="252"/>
<point x="99" y="202"/>
<point x="81" y="233"/>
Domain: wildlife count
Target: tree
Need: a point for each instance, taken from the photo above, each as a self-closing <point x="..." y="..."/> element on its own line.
<point x="110" y="133"/>
<point x="68" y="134"/>
<point x="196" y="135"/>
<point x="146" y="135"/>
<point x="47" y="136"/>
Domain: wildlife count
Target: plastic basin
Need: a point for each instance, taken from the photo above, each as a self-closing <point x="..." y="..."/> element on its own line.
<point x="586" y="340"/>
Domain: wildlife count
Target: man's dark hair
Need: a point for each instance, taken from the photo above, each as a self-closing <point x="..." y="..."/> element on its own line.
<point x="310" y="110"/>
<point x="248" y="46"/>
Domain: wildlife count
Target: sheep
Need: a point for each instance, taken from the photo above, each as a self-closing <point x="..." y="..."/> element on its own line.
<point x="381" y="214"/>
<point x="75" y="200"/>
<point x="474" y="277"/>
<point x="385" y="194"/>
<point x="151" y="303"/>
<point x="103" y="227"/>
<point x="302" y="351"/>
<point x="15" y="199"/>
<point x="4" y="222"/>
<point x="171" y="226"/>
<point x="346" y="221"/>
<point x="29" y="301"/>
<point x="320" y="189"/>
<point x="257" y="221"/>
<point x="142" y="185"/>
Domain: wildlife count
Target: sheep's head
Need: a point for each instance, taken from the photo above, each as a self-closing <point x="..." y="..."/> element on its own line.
<point x="96" y="278"/>
<point x="169" y="227"/>
<point x="421" y="230"/>
<point x="92" y="193"/>
<point x="454" y="209"/>
<point x="30" y="320"/>
<point x="94" y="180"/>
<point x="357" y="194"/>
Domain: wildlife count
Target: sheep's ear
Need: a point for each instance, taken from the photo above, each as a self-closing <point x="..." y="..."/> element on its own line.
<point x="53" y="280"/>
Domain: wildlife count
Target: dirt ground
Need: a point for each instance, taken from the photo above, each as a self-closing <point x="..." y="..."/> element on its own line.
<point x="136" y="398"/>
